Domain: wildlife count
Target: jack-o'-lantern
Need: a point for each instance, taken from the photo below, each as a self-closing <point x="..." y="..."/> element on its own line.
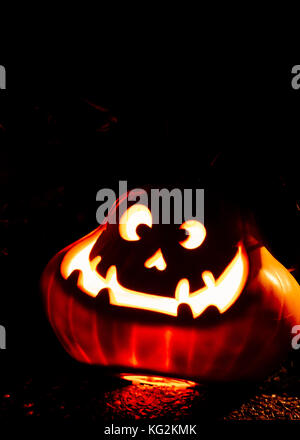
<point x="200" y="302"/>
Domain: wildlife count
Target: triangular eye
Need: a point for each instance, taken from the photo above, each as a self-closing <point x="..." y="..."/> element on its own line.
<point x="197" y="234"/>
<point x="134" y="216"/>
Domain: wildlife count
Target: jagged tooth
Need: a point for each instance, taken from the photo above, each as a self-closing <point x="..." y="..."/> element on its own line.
<point x="208" y="278"/>
<point x="182" y="290"/>
<point x="94" y="263"/>
<point x="111" y="275"/>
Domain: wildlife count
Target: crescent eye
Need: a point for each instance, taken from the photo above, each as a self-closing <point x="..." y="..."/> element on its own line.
<point x="197" y="233"/>
<point x="131" y="219"/>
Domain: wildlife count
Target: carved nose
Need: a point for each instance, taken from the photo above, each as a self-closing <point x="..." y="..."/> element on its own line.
<point x="157" y="260"/>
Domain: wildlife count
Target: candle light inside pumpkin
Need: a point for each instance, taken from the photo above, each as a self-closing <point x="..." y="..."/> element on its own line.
<point x="143" y="332"/>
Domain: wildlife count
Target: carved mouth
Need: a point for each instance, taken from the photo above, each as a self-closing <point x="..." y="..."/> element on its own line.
<point x="221" y="293"/>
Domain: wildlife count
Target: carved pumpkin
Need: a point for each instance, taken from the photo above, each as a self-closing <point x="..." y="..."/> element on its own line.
<point x="206" y="303"/>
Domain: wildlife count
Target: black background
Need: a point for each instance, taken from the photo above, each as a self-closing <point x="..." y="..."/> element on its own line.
<point x="221" y="113"/>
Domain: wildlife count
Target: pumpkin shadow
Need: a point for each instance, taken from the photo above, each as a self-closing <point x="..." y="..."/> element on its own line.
<point x="220" y="400"/>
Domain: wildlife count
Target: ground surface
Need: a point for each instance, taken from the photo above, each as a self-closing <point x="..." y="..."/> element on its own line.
<point x="81" y="394"/>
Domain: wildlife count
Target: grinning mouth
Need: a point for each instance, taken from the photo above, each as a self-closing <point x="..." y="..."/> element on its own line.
<point x="221" y="293"/>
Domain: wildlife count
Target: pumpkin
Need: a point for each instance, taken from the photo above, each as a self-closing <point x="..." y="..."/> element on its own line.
<point x="199" y="302"/>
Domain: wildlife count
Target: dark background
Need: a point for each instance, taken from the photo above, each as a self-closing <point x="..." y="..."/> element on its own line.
<point x="221" y="116"/>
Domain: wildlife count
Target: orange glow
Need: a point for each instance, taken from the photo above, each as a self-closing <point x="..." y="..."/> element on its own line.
<point x="221" y="293"/>
<point x="131" y="219"/>
<point x="208" y="279"/>
<point x="261" y="310"/>
<point x="78" y="258"/>
<point x="158" y="381"/>
<point x="157" y="260"/>
<point x="197" y="234"/>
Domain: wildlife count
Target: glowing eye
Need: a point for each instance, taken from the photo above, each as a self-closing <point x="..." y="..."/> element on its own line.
<point x="197" y="233"/>
<point x="131" y="219"/>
